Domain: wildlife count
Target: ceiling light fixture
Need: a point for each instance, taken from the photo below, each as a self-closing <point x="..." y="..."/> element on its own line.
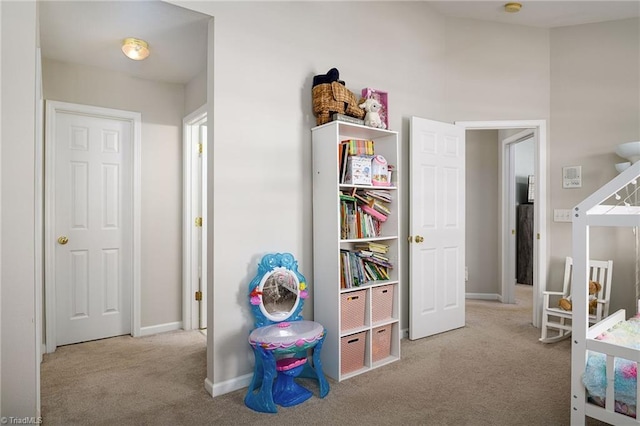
<point x="512" y="7"/>
<point x="135" y="49"/>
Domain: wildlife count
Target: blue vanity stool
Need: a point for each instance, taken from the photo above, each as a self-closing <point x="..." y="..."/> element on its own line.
<point x="282" y="341"/>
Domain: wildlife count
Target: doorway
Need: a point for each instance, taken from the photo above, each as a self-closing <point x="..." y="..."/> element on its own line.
<point x="194" y="271"/>
<point x="506" y="238"/>
<point x="520" y="199"/>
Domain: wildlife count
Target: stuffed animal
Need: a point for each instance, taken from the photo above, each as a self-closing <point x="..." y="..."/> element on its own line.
<point x="372" y="115"/>
<point x="594" y="288"/>
<point x="330" y="95"/>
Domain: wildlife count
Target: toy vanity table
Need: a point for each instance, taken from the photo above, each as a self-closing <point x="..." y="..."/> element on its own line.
<point x="284" y="345"/>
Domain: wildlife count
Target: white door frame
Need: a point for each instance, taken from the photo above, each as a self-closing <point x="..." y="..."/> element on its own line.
<point x="540" y="242"/>
<point x="190" y="308"/>
<point x="135" y="118"/>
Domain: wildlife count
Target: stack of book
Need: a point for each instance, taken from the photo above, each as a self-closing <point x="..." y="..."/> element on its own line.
<point x="358" y="267"/>
<point x="362" y="212"/>
<point x="353" y="148"/>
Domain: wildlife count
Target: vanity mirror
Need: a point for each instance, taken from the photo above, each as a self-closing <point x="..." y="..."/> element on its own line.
<point x="285" y="346"/>
<point x="280" y="291"/>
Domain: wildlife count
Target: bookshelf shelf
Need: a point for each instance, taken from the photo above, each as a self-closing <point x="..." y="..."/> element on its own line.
<point x="358" y="305"/>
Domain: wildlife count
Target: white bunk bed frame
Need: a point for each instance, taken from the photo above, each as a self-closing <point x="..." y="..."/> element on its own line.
<point x="591" y="212"/>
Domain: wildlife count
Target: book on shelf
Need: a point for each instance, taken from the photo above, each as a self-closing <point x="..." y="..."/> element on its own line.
<point x="354" y="161"/>
<point x="343" y="155"/>
<point x="373" y="247"/>
<point x="346" y="118"/>
<point x="358" y="170"/>
<point x="360" y="146"/>
<point x="379" y="194"/>
<point x="357" y="270"/>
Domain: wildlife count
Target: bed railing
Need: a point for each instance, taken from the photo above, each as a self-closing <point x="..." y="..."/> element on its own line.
<point x="611" y="351"/>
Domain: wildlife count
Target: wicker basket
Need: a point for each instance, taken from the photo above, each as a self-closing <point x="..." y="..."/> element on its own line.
<point x="334" y="97"/>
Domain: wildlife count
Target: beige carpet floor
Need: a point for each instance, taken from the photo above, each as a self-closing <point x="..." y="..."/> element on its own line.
<point x="493" y="371"/>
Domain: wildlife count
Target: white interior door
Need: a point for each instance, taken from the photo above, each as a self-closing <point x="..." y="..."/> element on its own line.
<point x="202" y="246"/>
<point x="437" y="227"/>
<point x="92" y="216"/>
<point x="194" y="223"/>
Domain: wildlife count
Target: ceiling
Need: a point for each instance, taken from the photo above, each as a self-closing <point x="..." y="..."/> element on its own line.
<point x="538" y="13"/>
<point x="90" y="32"/>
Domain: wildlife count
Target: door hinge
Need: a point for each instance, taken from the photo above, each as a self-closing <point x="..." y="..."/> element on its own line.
<point x="198" y="296"/>
<point x="200" y="148"/>
<point x="198" y="221"/>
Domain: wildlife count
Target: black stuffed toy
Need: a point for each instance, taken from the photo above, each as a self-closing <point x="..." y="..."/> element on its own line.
<point x="332" y="75"/>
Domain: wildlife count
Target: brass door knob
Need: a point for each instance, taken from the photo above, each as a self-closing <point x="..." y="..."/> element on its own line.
<point x="63" y="240"/>
<point x="419" y="239"/>
<point x="410" y="239"/>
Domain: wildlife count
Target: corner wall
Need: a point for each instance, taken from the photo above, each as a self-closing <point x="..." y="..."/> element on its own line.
<point x="19" y="380"/>
<point x="595" y="105"/>
<point x="266" y="55"/>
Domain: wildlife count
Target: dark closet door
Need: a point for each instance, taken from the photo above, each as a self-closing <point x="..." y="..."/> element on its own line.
<point x="524" y="244"/>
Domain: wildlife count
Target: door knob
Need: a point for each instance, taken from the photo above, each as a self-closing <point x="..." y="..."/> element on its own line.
<point x="63" y="240"/>
<point x="419" y="239"/>
<point x="410" y="239"/>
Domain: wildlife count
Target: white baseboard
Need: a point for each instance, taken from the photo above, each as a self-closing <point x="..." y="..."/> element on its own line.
<point x="483" y="296"/>
<point x="217" y="389"/>
<point x="160" y="328"/>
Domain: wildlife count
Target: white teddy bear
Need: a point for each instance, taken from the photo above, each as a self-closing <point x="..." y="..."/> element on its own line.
<point x="372" y="117"/>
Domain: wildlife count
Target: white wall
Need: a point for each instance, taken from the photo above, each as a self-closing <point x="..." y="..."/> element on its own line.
<point x="483" y="212"/>
<point x="195" y="92"/>
<point x="595" y="105"/>
<point x="162" y="108"/>
<point x="265" y="57"/>
<point x="496" y="71"/>
<point x="525" y="166"/>
<point x="19" y="380"/>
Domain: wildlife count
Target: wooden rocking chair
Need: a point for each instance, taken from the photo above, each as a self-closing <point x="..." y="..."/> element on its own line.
<point x="555" y="318"/>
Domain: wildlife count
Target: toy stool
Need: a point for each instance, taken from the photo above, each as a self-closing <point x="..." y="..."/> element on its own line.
<point x="286" y="391"/>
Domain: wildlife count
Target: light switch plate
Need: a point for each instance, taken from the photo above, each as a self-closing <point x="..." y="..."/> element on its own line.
<point x="562" y="215"/>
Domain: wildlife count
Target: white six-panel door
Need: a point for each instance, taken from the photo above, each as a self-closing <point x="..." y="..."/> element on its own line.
<point x="437" y="228"/>
<point x="92" y="216"/>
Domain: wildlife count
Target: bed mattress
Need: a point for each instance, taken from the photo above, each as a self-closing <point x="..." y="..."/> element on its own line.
<point x="626" y="333"/>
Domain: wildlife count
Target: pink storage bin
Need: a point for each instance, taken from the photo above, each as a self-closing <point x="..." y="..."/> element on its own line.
<point x="352" y="349"/>
<point x="352" y="309"/>
<point x="382" y="303"/>
<point x="381" y="343"/>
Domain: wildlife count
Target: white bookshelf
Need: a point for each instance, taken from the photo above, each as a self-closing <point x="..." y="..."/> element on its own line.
<point x="328" y="296"/>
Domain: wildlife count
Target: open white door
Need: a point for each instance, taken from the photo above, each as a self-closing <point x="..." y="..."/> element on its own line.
<point x="437" y="228"/>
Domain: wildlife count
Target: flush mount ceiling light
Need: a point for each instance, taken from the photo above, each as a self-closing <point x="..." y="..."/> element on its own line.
<point x="512" y="7"/>
<point x="135" y="49"/>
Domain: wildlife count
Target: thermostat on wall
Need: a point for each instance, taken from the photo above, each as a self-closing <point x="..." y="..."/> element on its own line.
<point x="572" y="177"/>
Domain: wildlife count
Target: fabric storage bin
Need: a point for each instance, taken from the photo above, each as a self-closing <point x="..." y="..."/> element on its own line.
<point x="352" y="309"/>
<point x="382" y="303"/>
<point x="381" y="342"/>
<point x="352" y="349"/>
